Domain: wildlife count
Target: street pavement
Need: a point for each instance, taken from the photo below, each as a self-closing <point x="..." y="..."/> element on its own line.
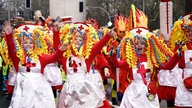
<point x="4" y="100"/>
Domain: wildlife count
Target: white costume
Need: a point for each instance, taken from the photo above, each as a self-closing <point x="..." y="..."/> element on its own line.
<point x="31" y="89"/>
<point x="53" y="74"/>
<point x="168" y="82"/>
<point x="183" y="95"/>
<point x="135" y="95"/>
<point x="78" y="91"/>
<point x="95" y="78"/>
<point x="169" y="77"/>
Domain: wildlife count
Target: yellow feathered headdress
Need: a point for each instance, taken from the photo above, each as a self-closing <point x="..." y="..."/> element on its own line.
<point x="67" y="36"/>
<point x="180" y="27"/>
<point x="37" y="34"/>
<point x="157" y="51"/>
<point x="137" y="18"/>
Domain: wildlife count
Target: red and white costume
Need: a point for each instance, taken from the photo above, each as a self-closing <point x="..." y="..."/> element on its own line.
<point x="94" y="75"/>
<point x="183" y="95"/>
<point x="31" y="89"/>
<point x="99" y="63"/>
<point x="77" y="90"/>
<point x="168" y="82"/>
<point x="135" y="95"/>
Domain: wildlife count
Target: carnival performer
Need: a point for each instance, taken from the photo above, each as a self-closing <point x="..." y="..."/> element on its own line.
<point x="27" y="52"/>
<point x="99" y="64"/>
<point x="143" y="87"/>
<point x="168" y="80"/>
<point x="78" y="91"/>
<point x="98" y="34"/>
<point x="144" y="55"/>
<point x="3" y="69"/>
<point x="182" y="34"/>
<point x="52" y="71"/>
<point x="122" y="28"/>
<point x="7" y="68"/>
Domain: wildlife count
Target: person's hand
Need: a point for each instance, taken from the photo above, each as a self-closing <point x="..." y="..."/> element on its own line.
<point x="111" y="32"/>
<point x="63" y="47"/>
<point x="7" y="27"/>
<point x="152" y="88"/>
<point x="56" y="25"/>
<point x="179" y="50"/>
<point x="106" y="72"/>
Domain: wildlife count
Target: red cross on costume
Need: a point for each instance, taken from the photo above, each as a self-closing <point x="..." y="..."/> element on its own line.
<point x="138" y="31"/>
<point x="26" y="28"/>
<point x="75" y="66"/>
<point x="29" y="65"/>
<point x="142" y="71"/>
<point x="81" y="27"/>
<point x="190" y="17"/>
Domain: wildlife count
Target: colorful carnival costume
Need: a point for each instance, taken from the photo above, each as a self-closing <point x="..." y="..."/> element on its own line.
<point x="11" y="75"/>
<point x="142" y="90"/>
<point x="101" y="32"/>
<point x="52" y="72"/>
<point x="144" y="54"/>
<point x="77" y="90"/>
<point x="118" y="83"/>
<point x="182" y="35"/>
<point x="99" y="65"/>
<point x="31" y="89"/>
<point x="168" y="81"/>
<point x="4" y="72"/>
